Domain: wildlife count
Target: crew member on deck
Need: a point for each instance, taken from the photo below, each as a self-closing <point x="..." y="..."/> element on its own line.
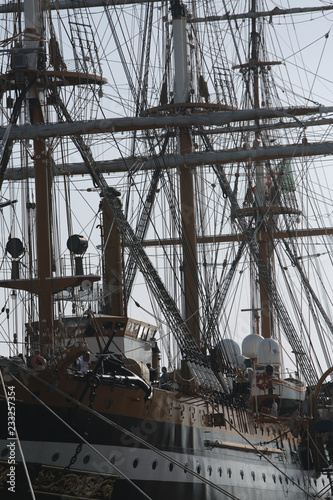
<point x="164" y="379"/>
<point x="152" y="373"/>
<point x="85" y="360"/>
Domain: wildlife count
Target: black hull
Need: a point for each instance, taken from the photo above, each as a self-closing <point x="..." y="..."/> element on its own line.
<point x="242" y="472"/>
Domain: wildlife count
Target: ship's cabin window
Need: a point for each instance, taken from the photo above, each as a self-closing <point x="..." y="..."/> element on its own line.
<point x="242" y="474"/>
<point x="154" y="464"/>
<point x="142" y="333"/>
<point x="253" y="474"/>
<point x="198" y="469"/>
<point x="220" y="471"/>
<point x="135" y="463"/>
<point x="264" y="477"/>
<point x="171" y="467"/>
<point x="280" y="479"/>
<point x="209" y="470"/>
<point x="152" y="333"/>
<point x="55" y="457"/>
<point x="274" y="478"/>
<point x="108" y="326"/>
<point x="229" y="472"/>
<point x="136" y="328"/>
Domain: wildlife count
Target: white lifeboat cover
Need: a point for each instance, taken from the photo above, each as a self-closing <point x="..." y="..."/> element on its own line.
<point x="250" y="345"/>
<point x="269" y="353"/>
<point x="231" y="348"/>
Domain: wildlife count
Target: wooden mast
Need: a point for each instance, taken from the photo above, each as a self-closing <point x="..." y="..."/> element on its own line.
<point x="260" y="193"/>
<point x="189" y="243"/>
<point x="32" y="37"/>
<point x="114" y="300"/>
<point x="44" y="285"/>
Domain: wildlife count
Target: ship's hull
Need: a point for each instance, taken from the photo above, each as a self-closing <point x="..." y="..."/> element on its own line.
<point x="246" y="477"/>
<point x="179" y="435"/>
<point x="243" y="476"/>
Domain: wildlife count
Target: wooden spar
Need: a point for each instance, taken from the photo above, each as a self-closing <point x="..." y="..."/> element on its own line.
<point x="73" y="4"/>
<point x="267" y="13"/>
<point x="227" y="238"/>
<point x="114" y="125"/>
<point x="192" y="160"/>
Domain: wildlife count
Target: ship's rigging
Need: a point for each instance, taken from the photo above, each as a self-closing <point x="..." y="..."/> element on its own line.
<point x="214" y="202"/>
<point x="198" y="124"/>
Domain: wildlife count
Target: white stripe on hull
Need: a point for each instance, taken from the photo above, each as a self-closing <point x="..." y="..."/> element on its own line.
<point x="246" y="476"/>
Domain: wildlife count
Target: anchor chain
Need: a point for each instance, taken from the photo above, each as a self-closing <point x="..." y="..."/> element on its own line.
<point x="93" y="381"/>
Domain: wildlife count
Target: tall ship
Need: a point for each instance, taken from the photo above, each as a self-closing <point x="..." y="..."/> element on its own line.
<point x="166" y="250"/>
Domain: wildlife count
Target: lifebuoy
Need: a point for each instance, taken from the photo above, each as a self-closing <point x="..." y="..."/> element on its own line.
<point x="263" y="381"/>
<point x="38" y="362"/>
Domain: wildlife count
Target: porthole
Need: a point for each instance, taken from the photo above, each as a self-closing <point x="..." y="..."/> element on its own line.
<point x="274" y="478"/>
<point x="113" y="460"/>
<point x="154" y="464"/>
<point x="198" y="469"/>
<point x="229" y="472"/>
<point x="280" y="479"/>
<point x="55" y="456"/>
<point x="209" y="470"/>
<point x="253" y="474"/>
<point x="135" y="463"/>
<point x="220" y="471"/>
<point x="86" y="459"/>
<point x="170" y="467"/>
<point x="241" y="474"/>
<point x="107" y="404"/>
<point x="264" y="477"/>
